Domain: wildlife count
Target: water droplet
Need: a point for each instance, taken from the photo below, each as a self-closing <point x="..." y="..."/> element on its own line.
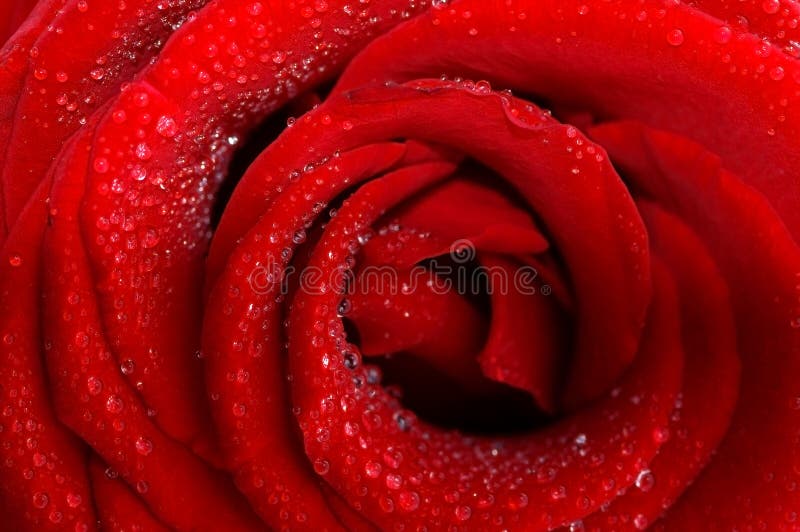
<point x="127" y="366"/>
<point x="402" y="420"/>
<point x="299" y="237"/>
<point x="463" y="513"/>
<point x="386" y="504"/>
<point x="94" y="385"/>
<point x="40" y="500"/>
<point x="350" y="429"/>
<point x="322" y="466"/>
<point x="770" y="7"/>
<point x="239" y="409"/>
<point x="483" y="87"/>
<point x="166" y="126"/>
<point x="138" y="173"/>
<point x="777" y="73"/>
<point x="81" y="339"/>
<point x="558" y="493"/>
<point x="645" y="480"/>
<point x="74" y="500"/>
<point x="723" y="35"/>
<point x="40" y="74"/>
<point x="15" y="260"/>
<point x="372" y="469"/>
<point x="640" y="522"/>
<point x="141" y="99"/>
<point x="344" y="307"/>
<point x="675" y="37"/>
<point x="392" y="458"/>
<point x="143" y="151"/>
<point x="660" y="434"/>
<point x="408" y="501"/>
<point x="101" y="165"/>
<point x="114" y="404"/>
<point x="150" y="238"/>
<point x="393" y="481"/>
<point x="351" y="359"/>
<point x="576" y="526"/>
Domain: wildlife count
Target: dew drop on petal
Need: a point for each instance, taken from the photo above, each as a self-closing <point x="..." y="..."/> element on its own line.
<point x="675" y="37"/>
<point x="74" y="500"/>
<point x="463" y="513"/>
<point x="645" y="480"/>
<point x="166" y="126"/>
<point x="94" y="385"/>
<point x="143" y="151"/>
<point x="770" y="7"/>
<point x="777" y="73"/>
<point x="393" y="481"/>
<point x="723" y="35"/>
<point x="408" y="501"/>
<point x="322" y="466"/>
<point x="141" y="99"/>
<point x="576" y="526"/>
<point x="150" y="238"/>
<point x="40" y="500"/>
<point x="100" y="165"/>
<point x="372" y="469"/>
<point x="114" y="404"/>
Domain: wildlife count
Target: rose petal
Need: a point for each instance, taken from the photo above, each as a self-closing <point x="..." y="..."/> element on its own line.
<point x="36" y="449"/>
<point x="90" y="390"/>
<point x="711" y="378"/>
<point x="662" y="63"/>
<point x="756" y="464"/>
<point x="414" y="456"/>
<point x="66" y="75"/>
<point x="118" y="507"/>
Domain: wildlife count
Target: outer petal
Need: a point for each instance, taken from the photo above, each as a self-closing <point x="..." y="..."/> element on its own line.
<point x="756" y="466"/>
<point x="663" y="63"/>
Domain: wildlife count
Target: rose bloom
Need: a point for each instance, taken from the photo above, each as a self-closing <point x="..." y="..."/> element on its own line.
<point x="399" y="265"/>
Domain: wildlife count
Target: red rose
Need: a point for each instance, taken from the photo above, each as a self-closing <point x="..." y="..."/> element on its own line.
<point x="428" y="303"/>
